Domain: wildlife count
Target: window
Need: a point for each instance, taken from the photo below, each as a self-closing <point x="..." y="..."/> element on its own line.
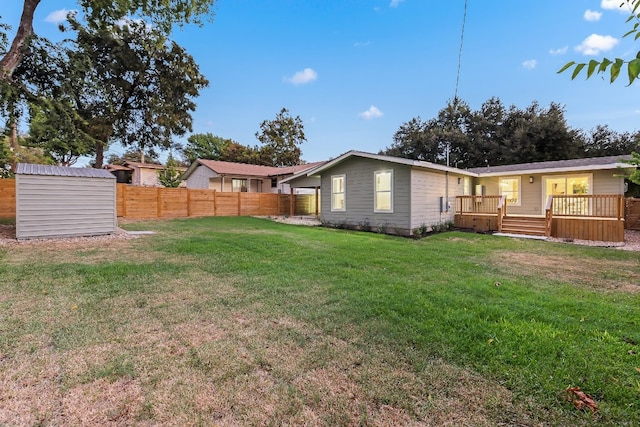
<point x="238" y="185"/>
<point x="338" y="193"/>
<point x="383" y="198"/>
<point x="511" y="188"/>
<point x="274" y="182"/>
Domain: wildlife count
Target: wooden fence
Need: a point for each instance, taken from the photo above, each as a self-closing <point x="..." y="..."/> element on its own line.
<point x="7" y="198"/>
<point x="632" y="214"/>
<point x="154" y="202"/>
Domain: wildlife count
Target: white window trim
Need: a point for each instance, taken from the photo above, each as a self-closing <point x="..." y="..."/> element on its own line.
<point x="375" y="191"/>
<point x="344" y="192"/>
<point x="519" y="178"/>
<point x="573" y="175"/>
<point x="466" y="185"/>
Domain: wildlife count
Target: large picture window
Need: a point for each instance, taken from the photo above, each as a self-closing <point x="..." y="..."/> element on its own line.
<point x="383" y="198"/>
<point x="238" y="185"/>
<point x="511" y="188"/>
<point x="338" y="193"/>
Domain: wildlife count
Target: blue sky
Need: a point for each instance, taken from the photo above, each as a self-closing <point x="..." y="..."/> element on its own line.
<point x="355" y="70"/>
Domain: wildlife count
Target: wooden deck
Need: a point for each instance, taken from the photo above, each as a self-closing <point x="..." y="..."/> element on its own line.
<point x="598" y="218"/>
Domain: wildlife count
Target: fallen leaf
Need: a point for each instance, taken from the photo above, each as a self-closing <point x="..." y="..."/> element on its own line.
<point x="580" y="399"/>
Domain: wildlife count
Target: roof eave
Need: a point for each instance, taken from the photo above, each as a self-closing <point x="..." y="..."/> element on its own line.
<point x="540" y="171"/>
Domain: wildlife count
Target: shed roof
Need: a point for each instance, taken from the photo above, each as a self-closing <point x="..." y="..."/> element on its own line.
<point x="32" y="169"/>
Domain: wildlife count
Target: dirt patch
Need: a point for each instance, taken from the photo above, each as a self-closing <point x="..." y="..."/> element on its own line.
<point x="311" y="221"/>
<point x="8" y="237"/>
<point x="602" y="274"/>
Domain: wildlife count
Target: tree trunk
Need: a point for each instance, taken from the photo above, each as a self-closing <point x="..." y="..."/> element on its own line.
<point x="99" y="155"/>
<point x="12" y="58"/>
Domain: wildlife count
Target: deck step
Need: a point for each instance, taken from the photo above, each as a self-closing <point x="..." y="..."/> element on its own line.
<point x="524" y="225"/>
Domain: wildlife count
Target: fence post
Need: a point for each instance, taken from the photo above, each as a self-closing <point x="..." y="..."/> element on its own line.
<point x="215" y="208"/>
<point x="291" y="204"/>
<point x="159" y="202"/>
<point x="317" y="200"/>
<point x="239" y="204"/>
<point x="124" y="200"/>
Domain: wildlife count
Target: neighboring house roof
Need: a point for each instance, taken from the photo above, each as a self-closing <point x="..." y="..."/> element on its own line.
<point x="391" y="159"/>
<point x="244" y="169"/>
<point x="117" y="168"/>
<point x="151" y="166"/>
<point x="31" y="169"/>
<point x="574" y="165"/>
<point x="129" y="166"/>
<point x="305" y="172"/>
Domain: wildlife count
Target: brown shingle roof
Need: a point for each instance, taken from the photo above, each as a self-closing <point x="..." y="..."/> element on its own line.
<point x="244" y="169"/>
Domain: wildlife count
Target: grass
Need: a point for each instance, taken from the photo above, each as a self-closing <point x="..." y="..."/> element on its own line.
<point x="235" y="321"/>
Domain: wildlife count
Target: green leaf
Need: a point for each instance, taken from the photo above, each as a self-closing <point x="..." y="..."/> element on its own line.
<point x="592" y="66"/>
<point x="633" y="70"/>
<point x="603" y="65"/>
<point x="630" y="32"/>
<point x="567" y="65"/>
<point x="615" y="69"/>
<point x="577" y="70"/>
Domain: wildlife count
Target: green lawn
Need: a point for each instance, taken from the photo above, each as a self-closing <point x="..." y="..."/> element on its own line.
<point x="242" y="321"/>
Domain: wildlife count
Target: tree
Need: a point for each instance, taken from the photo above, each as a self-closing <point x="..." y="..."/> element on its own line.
<point x="614" y="66"/>
<point x="170" y="175"/>
<point x="160" y="14"/>
<point x="125" y="83"/>
<point x="58" y="138"/>
<point x="205" y="146"/>
<point x="281" y="138"/>
<point x="492" y="136"/>
<point x="105" y="20"/>
<point x="132" y="155"/>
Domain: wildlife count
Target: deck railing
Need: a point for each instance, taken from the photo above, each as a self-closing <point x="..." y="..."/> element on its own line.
<point x="502" y="210"/>
<point x="595" y="206"/>
<point x="548" y="216"/>
<point x="477" y="204"/>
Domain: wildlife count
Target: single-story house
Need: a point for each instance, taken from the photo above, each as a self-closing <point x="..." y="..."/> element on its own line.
<point x="140" y="174"/>
<point x="238" y="177"/>
<point x="361" y="189"/>
<point x="581" y="198"/>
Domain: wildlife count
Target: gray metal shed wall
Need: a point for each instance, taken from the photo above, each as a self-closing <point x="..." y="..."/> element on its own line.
<point x="60" y="206"/>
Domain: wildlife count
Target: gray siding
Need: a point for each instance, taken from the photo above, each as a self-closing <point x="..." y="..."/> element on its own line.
<point x="606" y="182"/>
<point x="58" y="206"/>
<point x="200" y="178"/>
<point x="359" y="183"/>
<point x="427" y="187"/>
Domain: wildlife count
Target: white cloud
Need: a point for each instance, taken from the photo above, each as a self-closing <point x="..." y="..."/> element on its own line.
<point x="615" y="5"/>
<point x="361" y="44"/>
<point x="559" y="51"/>
<point x="395" y="3"/>
<point x="372" y="113"/>
<point x="58" y="16"/>
<point x="530" y="64"/>
<point x="303" y="77"/>
<point x="595" y="43"/>
<point x="592" y="15"/>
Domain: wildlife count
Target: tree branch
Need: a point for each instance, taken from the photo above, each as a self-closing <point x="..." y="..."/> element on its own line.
<point x="13" y="57"/>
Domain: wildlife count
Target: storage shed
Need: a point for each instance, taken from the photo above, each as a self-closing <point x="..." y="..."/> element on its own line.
<point x="56" y="201"/>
